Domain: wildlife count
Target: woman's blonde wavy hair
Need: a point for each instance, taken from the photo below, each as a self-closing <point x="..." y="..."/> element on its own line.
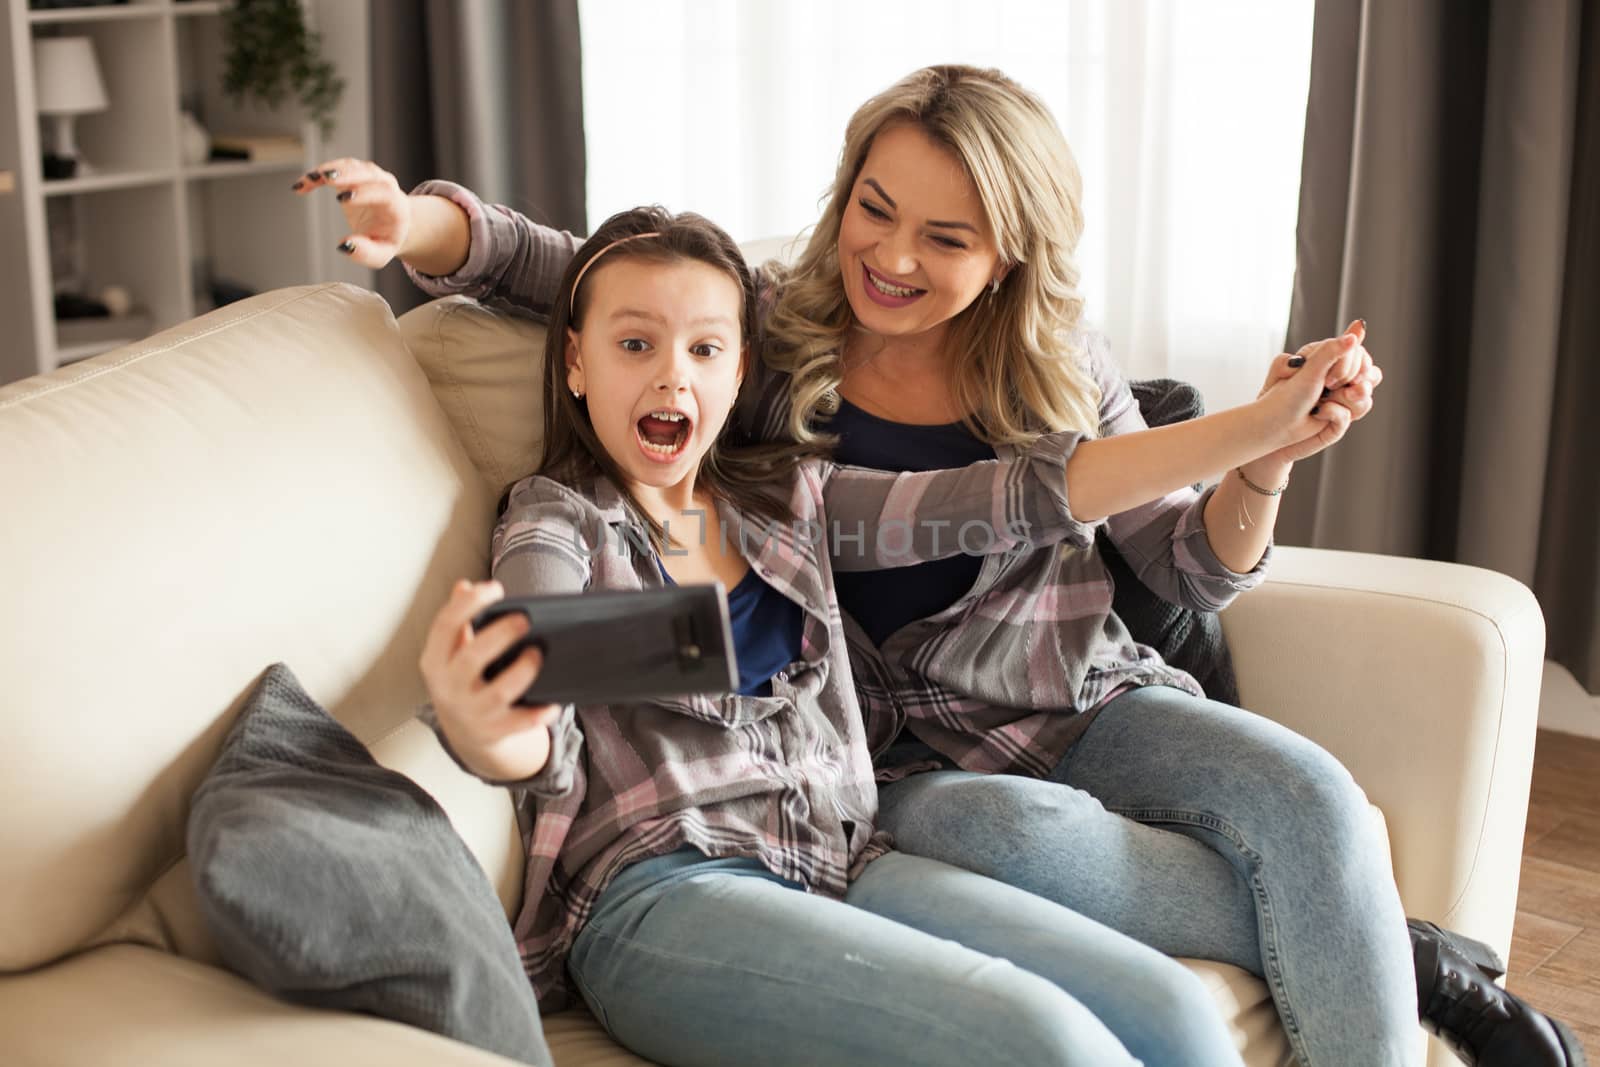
<point x="1012" y="353"/>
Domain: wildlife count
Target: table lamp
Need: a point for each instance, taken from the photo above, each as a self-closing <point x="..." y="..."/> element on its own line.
<point x="67" y="83"/>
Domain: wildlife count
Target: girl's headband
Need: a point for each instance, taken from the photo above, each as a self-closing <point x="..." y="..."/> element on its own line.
<point x="572" y="297"/>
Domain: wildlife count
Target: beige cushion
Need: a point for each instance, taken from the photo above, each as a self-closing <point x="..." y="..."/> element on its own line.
<point x="493" y="398"/>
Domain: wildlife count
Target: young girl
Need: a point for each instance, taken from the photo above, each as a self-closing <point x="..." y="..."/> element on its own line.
<point x="705" y="870"/>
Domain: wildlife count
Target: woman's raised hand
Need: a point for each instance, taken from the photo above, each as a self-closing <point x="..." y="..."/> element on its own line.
<point x="1315" y="394"/>
<point x="377" y="211"/>
<point x="494" y="738"/>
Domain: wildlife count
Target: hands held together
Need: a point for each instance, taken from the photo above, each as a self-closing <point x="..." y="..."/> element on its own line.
<point x="1312" y="396"/>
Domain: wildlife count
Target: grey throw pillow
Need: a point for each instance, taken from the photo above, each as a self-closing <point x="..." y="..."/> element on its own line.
<point x="333" y="882"/>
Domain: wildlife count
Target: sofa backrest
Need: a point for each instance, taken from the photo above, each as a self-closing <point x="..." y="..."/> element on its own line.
<point x="486" y="368"/>
<point x="274" y="481"/>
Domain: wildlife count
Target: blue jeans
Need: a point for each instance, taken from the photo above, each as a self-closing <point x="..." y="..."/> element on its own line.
<point x="1201" y="830"/>
<point x="694" y="961"/>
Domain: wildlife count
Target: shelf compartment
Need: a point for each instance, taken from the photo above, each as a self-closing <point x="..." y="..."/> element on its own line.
<point x="202" y="53"/>
<point x="137" y="133"/>
<point x="124" y="237"/>
<point x="249" y="231"/>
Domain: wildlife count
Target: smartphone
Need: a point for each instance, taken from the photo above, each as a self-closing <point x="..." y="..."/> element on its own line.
<point x="611" y="646"/>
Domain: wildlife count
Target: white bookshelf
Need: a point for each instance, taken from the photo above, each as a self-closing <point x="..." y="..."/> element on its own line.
<point x="147" y="220"/>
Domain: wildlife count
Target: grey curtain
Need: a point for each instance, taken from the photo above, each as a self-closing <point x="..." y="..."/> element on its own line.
<point x="488" y="93"/>
<point x="1449" y="197"/>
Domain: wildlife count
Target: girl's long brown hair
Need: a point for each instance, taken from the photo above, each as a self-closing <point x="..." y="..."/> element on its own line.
<point x="753" y="479"/>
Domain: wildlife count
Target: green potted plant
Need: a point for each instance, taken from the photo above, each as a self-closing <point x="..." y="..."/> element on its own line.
<point x="271" y="53"/>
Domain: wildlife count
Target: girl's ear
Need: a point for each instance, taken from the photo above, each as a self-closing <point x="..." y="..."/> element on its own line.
<point x="744" y="365"/>
<point x="574" y="360"/>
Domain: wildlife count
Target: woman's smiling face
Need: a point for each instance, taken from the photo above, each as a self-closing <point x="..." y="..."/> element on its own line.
<point x="915" y="246"/>
<point x="659" y="361"/>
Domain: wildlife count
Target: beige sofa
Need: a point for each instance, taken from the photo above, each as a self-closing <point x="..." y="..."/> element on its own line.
<point x="299" y="478"/>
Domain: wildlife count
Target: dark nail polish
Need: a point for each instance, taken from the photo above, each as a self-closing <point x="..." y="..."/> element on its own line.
<point x="313" y="175"/>
<point x="1363" y="325"/>
<point x="1326" y="393"/>
<point x="347" y="247"/>
<point x="1316" y="409"/>
<point x="1297" y="361"/>
<point x="297" y="185"/>
<point x="330" y="174"/>
<point x="346" y="195"/>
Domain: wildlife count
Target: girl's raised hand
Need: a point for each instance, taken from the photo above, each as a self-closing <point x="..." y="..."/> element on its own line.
<point x="376" y="210"/>
<point x="493" y="737"/>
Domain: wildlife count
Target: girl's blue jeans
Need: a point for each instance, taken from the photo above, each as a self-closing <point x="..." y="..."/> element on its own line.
<point x="1201" y="830"/>
<point x="695" y="961"/>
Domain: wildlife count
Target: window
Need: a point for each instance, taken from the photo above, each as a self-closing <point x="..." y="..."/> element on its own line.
<point x="1187" y="121"/>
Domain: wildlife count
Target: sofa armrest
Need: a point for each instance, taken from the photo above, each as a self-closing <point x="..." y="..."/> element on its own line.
<point x="1423" y="678"/>
<point x="130" y="1004"/>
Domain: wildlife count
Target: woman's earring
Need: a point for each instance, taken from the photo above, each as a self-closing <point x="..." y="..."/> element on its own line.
<point x="577" y="394"/>
<point x="994" y="286"/>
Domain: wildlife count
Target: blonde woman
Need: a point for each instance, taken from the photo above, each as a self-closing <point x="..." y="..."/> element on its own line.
<point x="1018" y="729"/>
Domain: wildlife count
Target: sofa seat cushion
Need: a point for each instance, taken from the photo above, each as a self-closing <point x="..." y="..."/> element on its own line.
<point x="577" y="1039"/>
<point x="153" y="1007"/>
<point x="127" y="1004"/>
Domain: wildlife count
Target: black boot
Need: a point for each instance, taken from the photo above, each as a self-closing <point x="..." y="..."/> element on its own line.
<point x="1480" y="1022"/>
<point x="1480" y="955"/>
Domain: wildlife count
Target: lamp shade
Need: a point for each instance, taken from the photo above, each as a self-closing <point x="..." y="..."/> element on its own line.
<point x="66" y="76"/>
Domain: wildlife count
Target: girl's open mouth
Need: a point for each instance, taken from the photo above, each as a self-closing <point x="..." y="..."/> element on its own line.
<point x="882" y="291"/>
<point x="664" y="433"/>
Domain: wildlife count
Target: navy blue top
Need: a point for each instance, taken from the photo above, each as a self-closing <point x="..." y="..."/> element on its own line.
<point x="884" y="601"/>
<point x="767" y="629"/>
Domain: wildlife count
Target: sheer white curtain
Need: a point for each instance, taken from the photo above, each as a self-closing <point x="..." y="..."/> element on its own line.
<point x="1186" y="119"/>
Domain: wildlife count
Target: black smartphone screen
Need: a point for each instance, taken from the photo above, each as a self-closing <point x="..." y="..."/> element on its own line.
<point x="611" y="646"/>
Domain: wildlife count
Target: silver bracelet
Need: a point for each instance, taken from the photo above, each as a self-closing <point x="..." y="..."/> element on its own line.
<point x="1264" y="492"/>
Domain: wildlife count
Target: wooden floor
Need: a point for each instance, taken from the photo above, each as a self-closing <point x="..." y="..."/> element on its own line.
<point x="1555" y="944"/>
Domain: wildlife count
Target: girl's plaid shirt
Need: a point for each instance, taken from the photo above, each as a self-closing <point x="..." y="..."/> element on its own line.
<point x="786" y="779"/>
